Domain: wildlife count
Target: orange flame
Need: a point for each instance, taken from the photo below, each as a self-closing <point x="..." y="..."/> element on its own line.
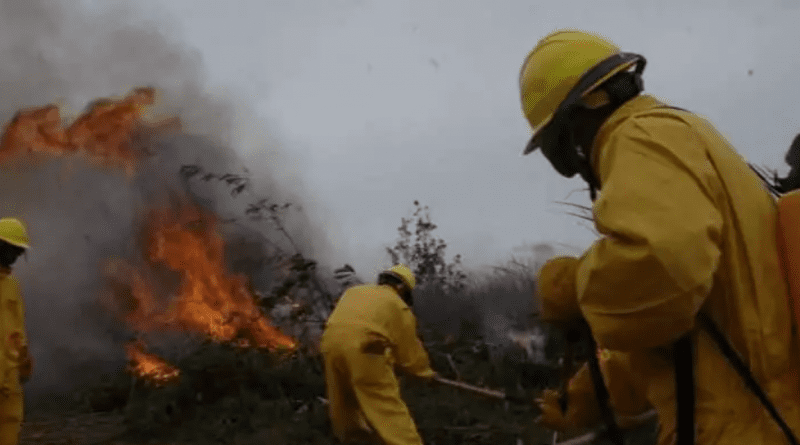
<point x="209" y="300"/>
<point x="149" y="366"/>
<point x="107" y="132"/>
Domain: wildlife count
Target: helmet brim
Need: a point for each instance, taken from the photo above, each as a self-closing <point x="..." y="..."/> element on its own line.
<point x="15" y="243"/>
<point x="398" y="277"/>
<point x="534" y="144"/>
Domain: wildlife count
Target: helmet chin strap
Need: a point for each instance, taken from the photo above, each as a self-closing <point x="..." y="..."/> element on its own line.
<point x="586" y="172"/>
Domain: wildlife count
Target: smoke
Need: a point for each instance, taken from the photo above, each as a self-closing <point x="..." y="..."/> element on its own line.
<point x="79" y="215"/>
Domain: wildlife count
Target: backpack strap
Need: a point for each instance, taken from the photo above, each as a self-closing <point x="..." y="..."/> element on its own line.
<point x="750" y="381"/>
<point x="612" y="430"/>
<point x="683" y="353"/>
<point x="685" y="385"/>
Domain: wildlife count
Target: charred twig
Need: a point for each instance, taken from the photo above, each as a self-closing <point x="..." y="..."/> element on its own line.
<point x="453" y="366"/>
<point x="479" y="426"/>
<point x="586" y="211"/>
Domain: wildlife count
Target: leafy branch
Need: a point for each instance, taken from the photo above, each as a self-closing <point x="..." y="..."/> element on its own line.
<point x="301" y="271"/>
<point x="261" y="209"/>
<point x="424" y="253"/>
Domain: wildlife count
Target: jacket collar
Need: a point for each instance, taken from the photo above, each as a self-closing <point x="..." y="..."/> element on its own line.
<point x="634" y="106"/>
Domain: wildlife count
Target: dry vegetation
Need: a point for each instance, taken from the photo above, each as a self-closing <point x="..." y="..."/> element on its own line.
<point x="229" y="394"/>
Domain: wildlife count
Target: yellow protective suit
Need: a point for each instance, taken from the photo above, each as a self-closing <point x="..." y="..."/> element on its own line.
<point x="628" y="399"/>
<point x="369" y="333"/>
<point x="15" y="363"/>
<point x="686" y="225"/>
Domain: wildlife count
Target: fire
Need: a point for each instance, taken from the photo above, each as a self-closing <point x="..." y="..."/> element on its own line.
<point x="209" y="300"/>
<point x="149" y="366"/>
<point x="107" y="133"/>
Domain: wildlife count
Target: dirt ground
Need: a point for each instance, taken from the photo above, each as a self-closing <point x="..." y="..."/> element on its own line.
<point x="229" y="396"/>
<point x="73" y="429"/>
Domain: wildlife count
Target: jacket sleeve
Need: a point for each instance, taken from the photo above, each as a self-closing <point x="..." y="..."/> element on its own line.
<point x="583" y="409"/>
<point x="410" y="354"/>
<point x="16" y="361"/>
<point x="642" y="283"/>
<point x="626" y="390"/>
<point x="628" y="398"/>
<point x="15" y="317"/>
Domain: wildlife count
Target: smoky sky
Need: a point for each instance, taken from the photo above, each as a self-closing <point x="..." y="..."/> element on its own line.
<point x="381" y="103"/>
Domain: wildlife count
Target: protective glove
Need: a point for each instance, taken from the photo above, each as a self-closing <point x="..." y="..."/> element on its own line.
<point x="552" y="418"/>
<point x="582" y="409"/>
<point x="26" y="368"/>
<point x="557" y="290"/>
<point x="426" y="375"/>
<point x="20" y="350"/>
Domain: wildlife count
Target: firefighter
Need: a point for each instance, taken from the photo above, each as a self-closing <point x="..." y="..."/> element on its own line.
<point x="370" y="332"/>
<point x="688" y="235"/>
<point x="16" y="364"/>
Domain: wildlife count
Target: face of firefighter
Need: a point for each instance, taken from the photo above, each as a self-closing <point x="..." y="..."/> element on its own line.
<point x="9" y="254"/>
<point x="587" y="124"/>
<point x="404" y="293"/>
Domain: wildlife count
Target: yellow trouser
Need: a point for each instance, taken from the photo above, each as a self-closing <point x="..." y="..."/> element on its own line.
<point x="10" y="418"/>
<point x="363" y="392"/>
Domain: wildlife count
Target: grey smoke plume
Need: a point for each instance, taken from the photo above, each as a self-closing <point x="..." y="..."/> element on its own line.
<point x="79" y="215"/>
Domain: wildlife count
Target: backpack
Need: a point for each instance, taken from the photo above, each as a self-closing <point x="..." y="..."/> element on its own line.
<point x="788" y="209"/>
<point x="789" y="246"/>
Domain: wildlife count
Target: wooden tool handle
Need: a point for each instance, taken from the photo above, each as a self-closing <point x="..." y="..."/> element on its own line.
<point x="475" y="389"/>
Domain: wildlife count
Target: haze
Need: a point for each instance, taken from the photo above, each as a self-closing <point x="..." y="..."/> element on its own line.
<point x="377" y="104"/>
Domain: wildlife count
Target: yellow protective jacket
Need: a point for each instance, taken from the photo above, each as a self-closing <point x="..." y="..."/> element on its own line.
<point x="369" y="334"/>
<point x="628" y="399"/>
<point x="14" y="360"/>
<point x="382" y="315"/>
<point x="687" y="226"/>
<point x="14" y="336"/>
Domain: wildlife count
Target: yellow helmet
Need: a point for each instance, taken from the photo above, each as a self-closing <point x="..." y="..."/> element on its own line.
<point x="13" y="232"/>
<point x="555" y="67"/>
<point x="405" y="274"/>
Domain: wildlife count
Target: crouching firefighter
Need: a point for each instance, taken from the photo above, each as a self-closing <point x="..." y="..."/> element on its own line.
<point x="15" y="364"/>
<point x="686" y="277"/>
<point x="371" y="331"/>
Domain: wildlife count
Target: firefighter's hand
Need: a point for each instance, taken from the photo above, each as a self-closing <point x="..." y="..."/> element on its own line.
<point x="427" y="376"/>
<point x="557" y="291"/>
<point x="552" y="417"/>
<point x="25" y="366"/>
<point x="433" y="380"/>
<point x="423" y="379"/>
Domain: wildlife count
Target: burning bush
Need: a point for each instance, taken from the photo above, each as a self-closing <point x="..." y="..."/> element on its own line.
<point x="208" y="300"/>
<point x="149" y="367"/>
<point x="111" y="132"/>
<point x="195" y="334"/>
